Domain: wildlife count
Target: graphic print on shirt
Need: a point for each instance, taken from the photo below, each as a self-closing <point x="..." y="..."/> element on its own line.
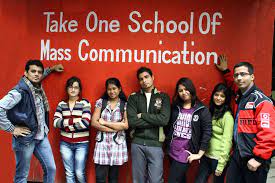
<point x="183" y="125"/>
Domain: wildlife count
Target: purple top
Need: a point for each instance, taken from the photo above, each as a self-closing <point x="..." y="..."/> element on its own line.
<point x="181" y="136"/>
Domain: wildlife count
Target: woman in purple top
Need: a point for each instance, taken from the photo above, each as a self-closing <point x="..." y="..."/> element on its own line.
<point x="190" y="130"/>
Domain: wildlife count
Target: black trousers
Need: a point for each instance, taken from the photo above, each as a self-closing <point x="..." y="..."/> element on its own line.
<point x="177" y="172"/>
<point x="208" y="167"/>
<point x="238" y="171"/>
<point x="104" y="171"/>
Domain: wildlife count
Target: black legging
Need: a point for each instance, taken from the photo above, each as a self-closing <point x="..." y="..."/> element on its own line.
<point x="102" y="171"/>
<point x="177" y="172"/>
<point x="207" y="167"/>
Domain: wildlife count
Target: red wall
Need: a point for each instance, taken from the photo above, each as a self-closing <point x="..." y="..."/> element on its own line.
<point x="245" y="33"/>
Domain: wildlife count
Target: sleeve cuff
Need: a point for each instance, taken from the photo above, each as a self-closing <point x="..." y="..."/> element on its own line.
<point x="10" y="129"/>
<point x="226" y="71"/>
<point x="141" y="116"/>
<point x="220" y="168"/>
<point x="47" y="71"/>
<point x="260" y="160"/>
<point x="62" y="124"/>
<point x="204" y="147"/>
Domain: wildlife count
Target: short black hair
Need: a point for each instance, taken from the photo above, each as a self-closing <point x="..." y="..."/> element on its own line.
<point x="38" y="63"/>
<point x="144" y="69"/>
<point x="248" y="65"/>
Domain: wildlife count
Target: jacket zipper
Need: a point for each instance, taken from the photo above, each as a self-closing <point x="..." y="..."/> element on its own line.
<point x="192" y="121"/>
<point x="71" y="115"/>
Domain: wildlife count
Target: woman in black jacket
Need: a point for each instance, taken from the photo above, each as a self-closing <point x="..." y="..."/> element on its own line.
<point x="190" y="130"/>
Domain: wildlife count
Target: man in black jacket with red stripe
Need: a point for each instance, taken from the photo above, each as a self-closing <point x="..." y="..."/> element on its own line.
<point x="254" y="127"/>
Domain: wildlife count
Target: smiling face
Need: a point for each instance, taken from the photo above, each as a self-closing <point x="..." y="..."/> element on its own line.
<point x="219" y="98"/>
<point x="146" y="81"/>
<point x="34" y="74"/>
<point x="243" y="78"/>
<point x="184" y="94"/>
<point x="113" y="91"/>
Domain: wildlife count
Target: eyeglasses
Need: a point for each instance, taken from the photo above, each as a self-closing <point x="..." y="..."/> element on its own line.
<point x="73" y="87"/>
<point x="242" y="74"/>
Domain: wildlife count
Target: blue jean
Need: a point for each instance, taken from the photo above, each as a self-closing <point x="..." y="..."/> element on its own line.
<point x="23" y="154"/>
<point x="74" y="156"/>
<point x="147" y="164"/>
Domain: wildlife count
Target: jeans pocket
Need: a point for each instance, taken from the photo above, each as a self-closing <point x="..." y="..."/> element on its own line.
<point x="16" y="145"/>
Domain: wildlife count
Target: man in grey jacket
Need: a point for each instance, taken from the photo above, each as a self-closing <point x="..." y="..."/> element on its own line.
<point x="24" y="114"/>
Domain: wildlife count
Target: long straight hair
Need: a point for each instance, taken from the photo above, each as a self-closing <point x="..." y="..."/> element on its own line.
<point x="188" y="84"/>
<point x="115" y="82"/>
<point x="217" y="112"/>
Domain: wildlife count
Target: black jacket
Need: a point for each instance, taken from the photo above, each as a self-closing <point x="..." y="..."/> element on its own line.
<point x="147" y="127"/>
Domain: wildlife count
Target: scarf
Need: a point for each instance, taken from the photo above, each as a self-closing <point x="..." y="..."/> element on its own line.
<point x="38" y="89"/>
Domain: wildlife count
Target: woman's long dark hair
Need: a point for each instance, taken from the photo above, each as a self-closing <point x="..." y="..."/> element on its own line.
<point x="188" y="84"/>
<point x="115" y="82"/>
<point x="217" y="112"/>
